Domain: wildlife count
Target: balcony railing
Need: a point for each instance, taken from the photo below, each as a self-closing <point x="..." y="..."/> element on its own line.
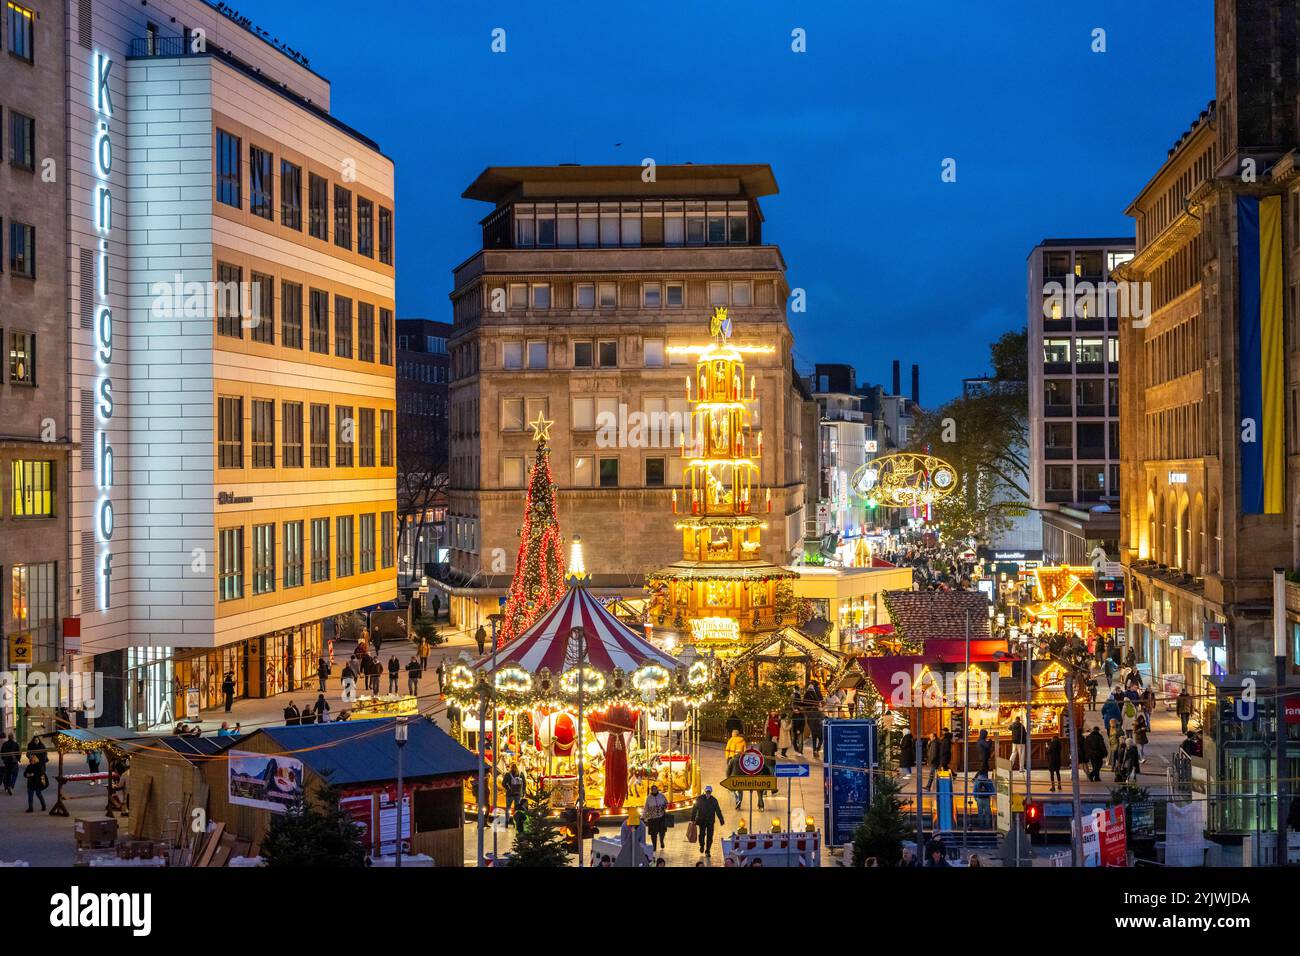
<point x="169" y="47"/>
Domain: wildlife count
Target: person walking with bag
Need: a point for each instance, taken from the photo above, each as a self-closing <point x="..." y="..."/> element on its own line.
<point x="704" y="814"/>
<point x="36" y="781"/>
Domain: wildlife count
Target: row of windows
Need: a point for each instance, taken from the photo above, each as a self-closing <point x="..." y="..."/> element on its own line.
<point x="1177" y="432"/>
<point x="34" y="489"/>
<point x="636" y="223"/>
<point x="1092" y="484"/>
<point x="1081" y="439"/>
<point x="252" y="306"/>
<point x="354" y="433"/>
<point x="433" y="344"/>
<point x="423" y="372"/>
<point x="22" y="139"/>
<point x="422" y="403"/>
<point x="521" y="296"/>
<point x="22" y="249"/>
<point x="1090" y="396"/>
<point x="1084" y="350"/>
<point x="20" y="364"/>
<point x="284" y="564"/>
<point x="584" y="353"/>
<point x="261" y="188"/>
<point x="1174" y="352"/>
<point x="589" y="471"/>
<point x="1082" y="263"/>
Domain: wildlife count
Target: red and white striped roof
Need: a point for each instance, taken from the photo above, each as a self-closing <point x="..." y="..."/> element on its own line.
<point x="610" y="643"/>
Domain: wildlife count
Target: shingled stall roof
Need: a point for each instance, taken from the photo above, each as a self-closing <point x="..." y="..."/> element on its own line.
<point x="364" y="751"/>
<point x="928" y="615"/>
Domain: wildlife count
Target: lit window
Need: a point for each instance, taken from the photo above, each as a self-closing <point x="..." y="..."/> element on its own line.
<point x="33" y="489"/>
<point x="512" y="472"/>
<point x="22" y="358"/>
<point x="583" y="472"/>
<point x="584" y="414"/>
<point x="230" y="564"/>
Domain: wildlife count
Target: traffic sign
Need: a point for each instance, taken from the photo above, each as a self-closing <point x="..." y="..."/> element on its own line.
<point x="739" y="784"/>
<point x="792" y="770"/>
<point x="751" y="762"/>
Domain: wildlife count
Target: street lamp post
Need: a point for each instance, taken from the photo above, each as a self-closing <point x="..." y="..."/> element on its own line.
<point x="495" y="619"/>
<point x="483" y="689"/>
<point x="581" y="637"/>
<point x="399" y="734"/>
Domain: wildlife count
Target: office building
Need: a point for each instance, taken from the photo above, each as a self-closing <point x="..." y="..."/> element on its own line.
<point x="423" y="374"/>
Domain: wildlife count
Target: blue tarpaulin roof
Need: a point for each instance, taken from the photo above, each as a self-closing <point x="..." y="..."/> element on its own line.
<point x="364" y="751"/>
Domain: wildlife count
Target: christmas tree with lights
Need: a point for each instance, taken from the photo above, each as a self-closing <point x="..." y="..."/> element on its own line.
<point x="538" y="581"/>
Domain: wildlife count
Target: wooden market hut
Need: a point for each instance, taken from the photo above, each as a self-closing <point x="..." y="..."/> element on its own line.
<point x="360" y="758"/>
<point x="789" y="645"/>
<point x="167" y="782"/>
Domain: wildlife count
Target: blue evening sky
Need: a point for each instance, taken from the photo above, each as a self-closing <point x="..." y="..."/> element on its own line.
<point x="1050" y="138"/>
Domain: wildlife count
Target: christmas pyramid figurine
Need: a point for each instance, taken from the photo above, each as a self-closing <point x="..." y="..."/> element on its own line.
<point x="538" y="581"/>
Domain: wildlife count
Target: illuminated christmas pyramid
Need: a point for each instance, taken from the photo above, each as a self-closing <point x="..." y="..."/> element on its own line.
<point x="722" y="593"/>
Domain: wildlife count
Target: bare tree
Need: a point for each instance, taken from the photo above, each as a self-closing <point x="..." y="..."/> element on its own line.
<point x="421" y="478"/>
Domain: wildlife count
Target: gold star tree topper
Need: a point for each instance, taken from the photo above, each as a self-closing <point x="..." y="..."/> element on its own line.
<point x="541" y="428"/>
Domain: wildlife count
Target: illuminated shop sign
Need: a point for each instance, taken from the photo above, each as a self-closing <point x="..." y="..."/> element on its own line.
<point x="101" y="200"/>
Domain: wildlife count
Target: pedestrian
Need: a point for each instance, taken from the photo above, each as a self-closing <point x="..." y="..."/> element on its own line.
<point x="1054" y="763"/>
<point x="322" y="673"/>
<point x="413" y="677"/>
<point x="933" y="758"/>
<point x="1095" y="750"/>
<point x="733" y="724"/>
<point x="1132" y="759"/>
<point x="1111" y="712"/>
<point x="945" y="749"/>
<point x="377" y="640"/>
<point x="767" y="747"/>
<point x="906" y="754"/>
<point x="521" y="814"/>
<point x="436" y="603"/>
<point x="1184" y="708"/>
<point x="1092" y="693"/>
<point x="228" y="689"/>
<point x="655" y="816"/>
<point x="773" y="727"/>
<point x="1116" y="742"/>
<point x="785" y="733"/>
<point x="984" y="752"/>
<point x="735" y="747"/>
<point x="425" y="647"/>
<point x="934" y="854"/>
<point x="704" y="814"/>
<point x="348" y="681"/>
<point x="1149" y="702"/>
<point x="322" y="709"/>
<point x="1140" y="735"/>
<point x="306" y="715"/>
<point x="394" y="669"/>
<point x="9" y="755"/>
<point x="513" y="784"/>
<point x="92" y="764"/>
<point x="480" y="638"/>
<point x="1108" y="668"/>
<point x="291" y="716"/>
<point x="1019" y="744"/>
<point x="35" y="747"/>
<point x="36" y="780"/>
<point x="984" y="791"/>
<point x="798" y="725"/>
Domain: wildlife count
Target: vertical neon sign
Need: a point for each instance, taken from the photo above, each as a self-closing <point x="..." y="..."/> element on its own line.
<point x="102" y="205"/>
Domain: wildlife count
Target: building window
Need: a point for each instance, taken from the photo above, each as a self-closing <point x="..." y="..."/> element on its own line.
<point x="34" y="491"/>
<point x="1088" y="351"/>
<point x="388" y="534"/>
<point x="342" y="327"/>
<point x="583" y="354"/>
<point x="385" y="438"/>
<point x="366" y="533"/>
<point x="742" y="294"/>
<point x="22" y="249"/>
<point x="654" y="472"/>
<point x="229" y="279"/>
<point x="583" y="471"/>
<point x="261" y="186"/>
<point x="385" y="337"/>
<point x="320" y="436"/>
<point x="22" y="358"/>
<point x="675" y="295"/>
<point x="228" y="152"/>
<point x="512" y="414"/>
<point x="366" y="436"/>
<point x="318" y="193"/>
<point x="654" y="353"/>
<point x="22" y="140"/>
<point x="584" y="414"/>
<point x="290" y="195"/>
<point x="230" y="563"/>
<point x="33" y="595"/>
<point x="541" y="296"/>
<point x="365" y="227"/>
<point x="20" y="32"/>
<point x="291" y="315"/>
<point x="718" y="293"/>
<point x="537" y="355"/>
<point x="320" y="549"/>
<point x="292" y="554"/>
<point x="608" y="295"/>
<point x="344" y="436"/>
<point x="320" y="322"/>
<point x="512" y="472"/>
<point x="609" y="473"/>
<point x="512" y="355"/>
<point x="342" y="217"/>
<point x="262" y="292"/>
<point x="385" y="236"/>
<point x="1056" y="351"/>
<point x="263" y="415"/>
<point x="584" y="295"/>
<point x="651" y="295"/>
<point x="607" y="353"/>
<point x="365" y="332"/>
<point x="343" y="547"/>
<point x="518" y="296"/>
<point x="230" y="432"/>
<point x="263" y="558"/>
<point x="292" y="434"/>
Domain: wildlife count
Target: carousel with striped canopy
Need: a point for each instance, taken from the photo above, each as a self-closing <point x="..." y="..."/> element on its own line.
<point x="579" y="695"/>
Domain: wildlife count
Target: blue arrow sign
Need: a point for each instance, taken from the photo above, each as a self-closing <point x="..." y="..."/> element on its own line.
<point x="792" y="770"/>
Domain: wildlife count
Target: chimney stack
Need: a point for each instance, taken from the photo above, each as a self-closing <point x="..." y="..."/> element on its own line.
<point x="916" y="385"/>
<point x="898" y="382"/>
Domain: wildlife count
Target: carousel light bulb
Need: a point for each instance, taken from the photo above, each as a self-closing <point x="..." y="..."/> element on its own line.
<point x="593" y="749"/>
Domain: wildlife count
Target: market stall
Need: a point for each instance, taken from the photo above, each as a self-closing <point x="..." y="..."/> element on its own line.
<point x="633" y="724"/>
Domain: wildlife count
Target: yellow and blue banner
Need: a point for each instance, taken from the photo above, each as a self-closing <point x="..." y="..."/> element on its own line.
<point x="1262" y="362"/>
